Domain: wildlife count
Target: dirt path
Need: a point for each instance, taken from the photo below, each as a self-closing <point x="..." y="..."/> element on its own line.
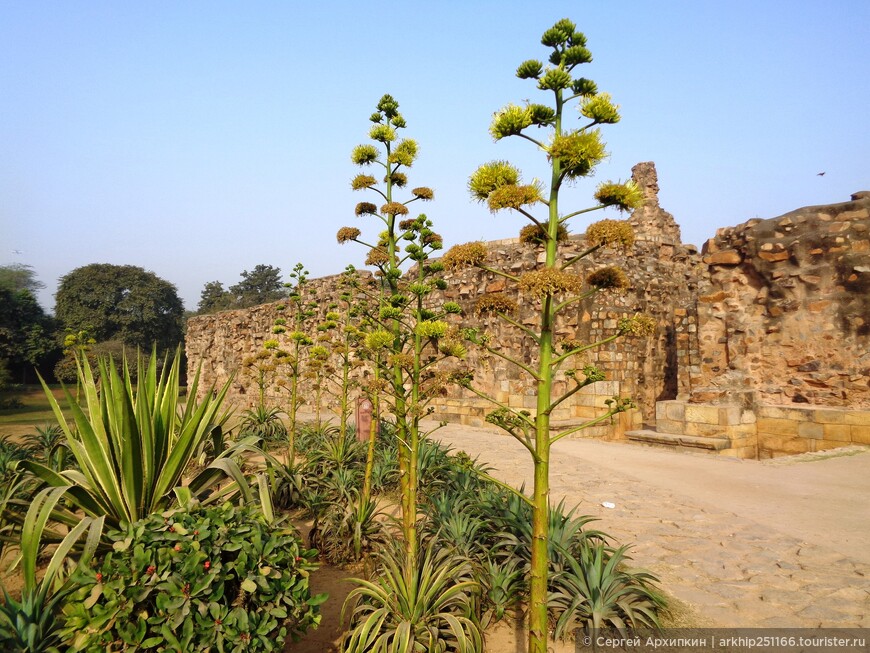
<point x="747" y="544"/>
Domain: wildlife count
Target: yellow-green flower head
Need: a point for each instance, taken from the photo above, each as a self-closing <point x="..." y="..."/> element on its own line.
<point x="541" y="114"/>
<point x="333" y="316"/>
<point x="491" y="176"/>
<point x="536" y="235"/>
<point x="639" y="325"/>
<point x="452" y="347"/>
<point x="366" y="208"/>
<point x="578" y="152"/>
<point x="270" y="344"/>
<point x="554" y="79"/>
<point x="510" y="121"/>
<point x="513" y="197"/>
<point x="405" y="153"/>
<point x="407" y="225"/>
<point x="575" y="55"/>
<point x="611" y="277"/>
<point x="398" y="179"/>
<point x="362" y="181"/>
<point x="377" y="256"/>
<point x="382" y="133"/>
<point x="431" y="329"/>
<point x="378" y="340"/>
<point x="495" y="303"/>
<point x="390" y="313"/>
<point x="600" y="108"/>
<point x="300" y="338"/>
<point x="347" y="233"/>
<point x="420" y="289"/>
<point x="388" y="106"/>
<point x="278" y="329"/>
<point x="319" y="352"/>
<point x="550" y="281"/>
<point x="452" y="308"/>
<point x="463" y="256"/>
<point x="530" y="69"/>
<point x="394" y="208"/>
<point x="364" y="154"/>
<point x="610" y="233"/>
<point x="558" y="34"/>
<point x="435" y="241"/>
<point x="423" y="193"/>
<point x="625" y="197"/>
<point x="584" y="87"/>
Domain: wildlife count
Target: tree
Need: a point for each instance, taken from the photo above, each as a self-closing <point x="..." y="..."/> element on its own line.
<point x="213" y="298"/>
<point x="26" y="332"/>
<point x="259" y="286"/>
<point x="557" y="284"/>
<point x="121" y="302"/>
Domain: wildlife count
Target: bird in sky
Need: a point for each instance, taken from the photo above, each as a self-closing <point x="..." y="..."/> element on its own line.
<point x="820" y="174"/>
<point x="16" y="251"/>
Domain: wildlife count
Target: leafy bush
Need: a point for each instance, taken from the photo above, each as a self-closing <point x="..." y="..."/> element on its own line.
<point x="202" y="578"/>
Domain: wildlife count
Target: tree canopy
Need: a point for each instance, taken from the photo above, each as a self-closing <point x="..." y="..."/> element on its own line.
<point x="120" y="302"/>
<point x="259" y="286"/>
<point x="25" y="330"/>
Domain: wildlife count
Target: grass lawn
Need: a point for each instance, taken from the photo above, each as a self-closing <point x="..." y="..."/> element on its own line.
<point x="34" y="412"/>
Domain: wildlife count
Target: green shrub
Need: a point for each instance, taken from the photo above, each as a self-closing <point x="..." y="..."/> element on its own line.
<point x="203" y="578"/>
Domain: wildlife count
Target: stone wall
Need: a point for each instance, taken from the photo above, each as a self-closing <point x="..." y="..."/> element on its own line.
<point x="772" y="313"/>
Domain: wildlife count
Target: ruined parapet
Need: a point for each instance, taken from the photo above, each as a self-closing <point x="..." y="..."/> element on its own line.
<point x="781" y="335"/>
<point x="652" y="224"/>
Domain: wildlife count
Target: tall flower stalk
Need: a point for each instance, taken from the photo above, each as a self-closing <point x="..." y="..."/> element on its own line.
<point x="554" y="286"/>
<point x="408" y="336"/>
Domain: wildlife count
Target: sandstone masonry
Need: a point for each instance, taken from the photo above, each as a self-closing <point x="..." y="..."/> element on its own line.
<point x="762" y="348"/>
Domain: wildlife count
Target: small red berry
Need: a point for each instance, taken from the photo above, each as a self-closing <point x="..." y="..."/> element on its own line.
<point x="172" y="529"/>
<point x="218" y="622"/>
<point x="207" y="564"/>
<point x="151" y="569"/>
<point x="196" y="532"/>
<point x="177" y="547"/>
<point x="99" y="577"/>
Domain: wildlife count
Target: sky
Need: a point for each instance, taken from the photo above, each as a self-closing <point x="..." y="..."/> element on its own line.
<point x="199" y="139"/>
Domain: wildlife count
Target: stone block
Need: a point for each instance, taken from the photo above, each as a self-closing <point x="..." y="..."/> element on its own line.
<point x="857" y="417"/>
<point x="777" y="426"/>
<point x="825" y="445"/>
<point x="702" y="414"/>
<point x="729" y="415"/>
<point x="810" y="430"/>
<point x="829" y="416"/>
<point x="675" y="411"/>
<point x="842" y="432"/>
<point x="670" y="426"/>
<point x="860" y="434"/>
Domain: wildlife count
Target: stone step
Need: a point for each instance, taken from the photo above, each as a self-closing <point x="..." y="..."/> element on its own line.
<point x="650" y="436"/>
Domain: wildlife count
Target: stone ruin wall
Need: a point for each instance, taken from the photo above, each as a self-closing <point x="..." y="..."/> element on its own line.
<point x="773" y="314"/>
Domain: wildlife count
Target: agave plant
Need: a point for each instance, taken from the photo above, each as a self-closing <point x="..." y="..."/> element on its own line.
<point x="595" y="591"/>
<point x="350" y="529"/>
<point x="263" y="422"/>
<point x="48" y="445"/>
<point x="427" y="611"/>
<point x="31" y="624"/>
<point x="132" y="445"/>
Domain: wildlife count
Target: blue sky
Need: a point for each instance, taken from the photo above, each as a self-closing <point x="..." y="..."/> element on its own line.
<point x="199" y="139"/>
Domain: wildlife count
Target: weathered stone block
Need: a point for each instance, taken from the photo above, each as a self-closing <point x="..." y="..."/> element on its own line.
<point x="675" y="410"/>
<point x="702" y="414"/>
<point x="777" y="426"/>
<point x="860" y="434"/>
<point x="811" y="430"/>
<point x="842" y="432"/>
<point x="857" y="417"/>
<point x="829" y="416"/>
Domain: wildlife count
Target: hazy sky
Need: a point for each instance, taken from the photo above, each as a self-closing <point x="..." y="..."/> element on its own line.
<point x="198" y="139"/>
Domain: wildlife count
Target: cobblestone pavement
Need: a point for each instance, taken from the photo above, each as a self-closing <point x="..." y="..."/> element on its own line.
<point x="782" y="543"/>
